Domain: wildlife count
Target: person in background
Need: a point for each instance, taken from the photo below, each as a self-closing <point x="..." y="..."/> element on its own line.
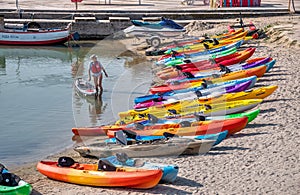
<point x="96" y="70"/>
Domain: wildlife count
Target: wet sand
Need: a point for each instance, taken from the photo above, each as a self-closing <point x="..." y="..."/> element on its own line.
<point x="262" y="158"/>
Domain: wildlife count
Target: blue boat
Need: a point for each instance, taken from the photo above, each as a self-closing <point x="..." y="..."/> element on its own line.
<point x="219" y="137"/>
<point x="169" y="171"/>
<point x="171" y="93"/>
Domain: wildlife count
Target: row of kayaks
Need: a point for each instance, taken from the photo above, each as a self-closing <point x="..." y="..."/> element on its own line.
<point x="207" y="95"/>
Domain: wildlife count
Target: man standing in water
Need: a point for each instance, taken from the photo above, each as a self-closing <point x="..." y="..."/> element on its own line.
<point x="96" y="69"/>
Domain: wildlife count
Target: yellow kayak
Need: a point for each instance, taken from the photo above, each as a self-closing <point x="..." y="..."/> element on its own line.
<point x="186" y="108"/>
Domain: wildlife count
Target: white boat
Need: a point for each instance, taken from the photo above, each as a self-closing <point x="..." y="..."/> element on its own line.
<point x="34" y="36"/>
<point x="171" y="147"/>
<point x="84" y="87"/>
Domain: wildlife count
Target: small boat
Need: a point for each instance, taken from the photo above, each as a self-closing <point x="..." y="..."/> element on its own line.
<point x="168" y="147"/>
<point x="33" y="36"/>
<point x="122" y="160"/>
<point x="216" y="94"/>
<point x="99" y="175"/>
<point x="101" y="130"/>
<point x="218" y="137"/>
<point x="206" y="85"/>
<point x="213" y="109"/>
<point x="196" y="128"/>
<point x="10" y="184"/>
<point x="84" y="87"/>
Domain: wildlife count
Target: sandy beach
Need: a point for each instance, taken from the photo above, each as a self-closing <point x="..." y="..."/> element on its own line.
<point x="263" y="158"/>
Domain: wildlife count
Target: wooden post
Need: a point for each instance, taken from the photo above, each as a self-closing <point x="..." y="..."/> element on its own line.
<point x="289" y="6"/>
<point x="76" y="5"/>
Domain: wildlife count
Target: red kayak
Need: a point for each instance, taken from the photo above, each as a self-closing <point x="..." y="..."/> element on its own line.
<point x="232" y="125"/>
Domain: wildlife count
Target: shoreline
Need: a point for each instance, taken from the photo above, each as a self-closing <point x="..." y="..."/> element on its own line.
<point x="252" y="161"/>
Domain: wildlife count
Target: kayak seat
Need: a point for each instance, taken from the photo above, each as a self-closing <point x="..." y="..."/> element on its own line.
<point x="9" y="179"/>
<point x="77" y="166"/>
<point x="65" y="161"/>
<point x="105" y="165"/>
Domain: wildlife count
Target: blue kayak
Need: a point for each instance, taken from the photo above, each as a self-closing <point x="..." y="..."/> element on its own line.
<point x="159" y="97"/>
<point x="219" y="137"/>
<point x="169" y="171"/>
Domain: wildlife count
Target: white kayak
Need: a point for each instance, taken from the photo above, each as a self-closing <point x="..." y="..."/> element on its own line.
<point x="84" y="87"/>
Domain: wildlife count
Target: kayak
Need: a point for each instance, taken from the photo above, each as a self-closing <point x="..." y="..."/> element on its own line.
<point x="197" y="82"/>
<point x="206" y="95"/>
<point x="16" y="185"/>
<point x="168" y="147"/>
<point x="88" y="174"/>
<point x="217" y="137"/>
<point x="222" y="70"/>
<point x="199" y="60"/>
<point x="225" y="60"/>
<point x="223" y="36"/>
<point x="206" y="52"/>
<point x="231" y="125"/>
<point x="240" y="92"/>
<point x="177" y="110"/>
<point x="100" y="130"/>
<point x="84" y="87"/>
<point x="169" y="171"/>
<point x="178" y="70"/>
<point x="206" y="85"/>
<point x="180" y="59"/>
<point x="23" y="188"/>
<point x="198" y="47"/>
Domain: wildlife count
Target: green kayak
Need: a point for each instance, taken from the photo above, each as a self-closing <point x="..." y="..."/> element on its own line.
<point x="251" y="115"/>
<point x="11" y="184"/>
<point x="22" y="189"/>
<point x="195" y="58"/>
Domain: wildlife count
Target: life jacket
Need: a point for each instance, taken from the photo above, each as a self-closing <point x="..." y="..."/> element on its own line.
<point x="96" y="67"/>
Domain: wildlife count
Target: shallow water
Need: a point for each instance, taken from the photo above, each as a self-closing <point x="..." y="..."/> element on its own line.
<point x="39" y="105"/>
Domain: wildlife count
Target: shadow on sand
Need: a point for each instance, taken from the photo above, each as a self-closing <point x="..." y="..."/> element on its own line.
<point x="268" y="110"/>
<point x="268" y="80"/>
<point x="273" y="74"/>
<point x="34" y="192"/>
<point x="228" y="148"/>
<point x="260" y="125"/>
<point x="159" y="189"/>
<point x="248" y="134"/>
<point x="278" y="100"/>
<point x="181" y="181"/>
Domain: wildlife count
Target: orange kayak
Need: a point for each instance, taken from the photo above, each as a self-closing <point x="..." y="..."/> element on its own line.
<point x="87" y="174"/>
<point x="198" y="128"/>
<point x="190" y="83"/>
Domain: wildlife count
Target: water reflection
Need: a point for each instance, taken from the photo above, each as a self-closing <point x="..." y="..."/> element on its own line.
<point x="39" y="106"/>
<point x="35" y="93"/>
